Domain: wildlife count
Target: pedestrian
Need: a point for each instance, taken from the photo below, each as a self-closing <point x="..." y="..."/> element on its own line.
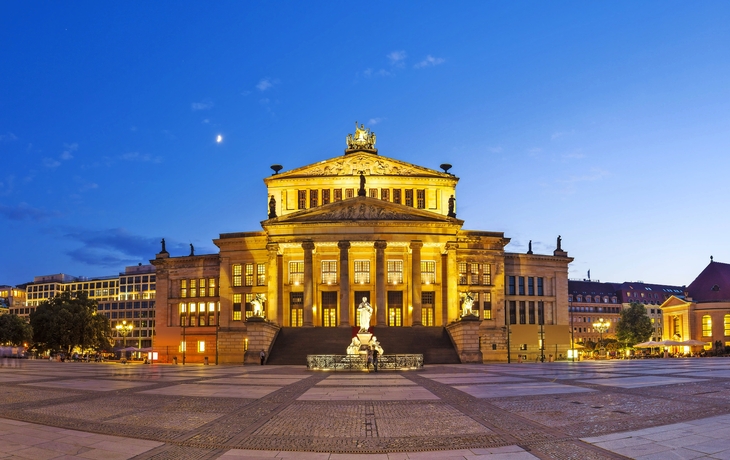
<point x="375" y="359"/>
<point x="370" y="358"/>
<point x="262" y="355"/>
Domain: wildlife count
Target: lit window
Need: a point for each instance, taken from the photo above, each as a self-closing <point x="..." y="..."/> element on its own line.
<point x="237" y="274"/>
<point x="428" y="272"/>
<point x="260" y="274"/>
<point x="706" y="326"/>
<point x="487" y="304"/>
<point x="248" y="275"/>
<point x="236" y="307"/>
<point x="296" y="273"/>
<point x="362" y="272"/>
<point x="474" y="273"/>
<point x="182" y="347"/>
<point x="462" y="273"/>
<point x="193" y="288"/>
<point x="183" y="288"/>
<point x="487" y="274"/>
<point x="329" y="271"/>
<point x="727" y="325"/>
<point x="211" y="287"/>
<point x="249" y="305"/>
<point x="201" y="346"/>
<point x="395" y="272"/>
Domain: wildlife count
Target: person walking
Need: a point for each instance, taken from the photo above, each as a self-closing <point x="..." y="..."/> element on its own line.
<point x="262" y="355"/>
<point x="375" y="359"/>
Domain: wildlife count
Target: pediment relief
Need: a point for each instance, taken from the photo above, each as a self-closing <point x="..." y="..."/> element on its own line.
<point x="363" y="208"/>
<point x="367" y="163"/>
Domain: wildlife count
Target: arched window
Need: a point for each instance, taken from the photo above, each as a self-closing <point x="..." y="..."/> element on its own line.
<point x="706" y="326"/>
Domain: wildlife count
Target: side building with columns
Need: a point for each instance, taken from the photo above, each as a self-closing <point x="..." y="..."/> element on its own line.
<point x="361" y="226"/>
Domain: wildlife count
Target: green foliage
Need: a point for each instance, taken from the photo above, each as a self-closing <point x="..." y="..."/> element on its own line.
<point x="14" y="330"/>
<point x="68" y="321"/>
<point x="634" y="326"/>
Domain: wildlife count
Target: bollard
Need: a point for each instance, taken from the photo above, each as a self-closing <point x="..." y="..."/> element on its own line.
<point x="174" y="360"/>
<point x="206" y="361"/>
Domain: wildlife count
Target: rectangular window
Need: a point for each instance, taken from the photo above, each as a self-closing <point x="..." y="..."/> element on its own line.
<point x="249" y="307"/>
<point x="313" y="198"/>
<point x="511" y="288"/>
<point x="385" y="194"/>
<point x="362" y="272"/>
<point x="325" y="197"/>
<point x="338" y="194"/>
<point x="487" y="274"/>
<point x="296" y="273"/>
<point x="211" y="287"/>
<point x="540" y="291"/>
<point x="396" y="195"/>
<point x="373" y="193"/>
<point x="395" y="272"/>
<point x="248" y="272"/>
<point x="474" y="273"/>
<point x="530" y="286"/>
<point x="349" y="193"/>
<point x="487" y="304"/>
<point x="183" y="288"/>
<point x="236" y="307"/>
<point x="409" y="197"/>
<point x="421" y="199"/>
<point x="302" y="199"/>
<point x="531" y="312"/>
<point x="521" y="285"/>
<point x="201" y="346"/>
<point x="193" y="288"/>
<point x="260" y="274"/>
<point x="296" y="304"/>
<point x="512" y="312"/>
<point x="427" y="308"/>
<point x="462" y="273"/>
<point x="329" y="272"/>
<point x="523" y="317"/>
<point x="428" y="272"/>
<point x="540" y="312"/>
<point x="236" y="271"/>
<point x="727" y="325"/>
<point x="329" y="309"/>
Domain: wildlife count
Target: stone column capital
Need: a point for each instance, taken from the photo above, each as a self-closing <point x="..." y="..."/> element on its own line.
<point x="416" y="244"/>
<point x="308" y="245"/>
<point x="380" y="244"/>
<point x="343" y="245"/>
<point x="451" y="246"/>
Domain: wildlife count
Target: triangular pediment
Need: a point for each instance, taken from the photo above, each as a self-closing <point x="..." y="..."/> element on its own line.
<point x="362" y="209"/>
<point x="673" y="301"/>
<point x="369" y="164"/>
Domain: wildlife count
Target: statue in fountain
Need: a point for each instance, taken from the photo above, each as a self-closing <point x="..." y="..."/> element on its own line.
<point x="365" y="310"/>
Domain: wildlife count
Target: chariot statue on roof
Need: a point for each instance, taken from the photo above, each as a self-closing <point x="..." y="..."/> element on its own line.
<point x="362" y="139"/>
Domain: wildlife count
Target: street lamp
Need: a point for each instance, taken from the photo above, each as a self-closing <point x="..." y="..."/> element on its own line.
<point x="124" y="329"/>
<point x="601" y="326"/>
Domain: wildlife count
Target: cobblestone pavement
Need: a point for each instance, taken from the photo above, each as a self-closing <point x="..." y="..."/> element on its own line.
<point x="646" y="409"/>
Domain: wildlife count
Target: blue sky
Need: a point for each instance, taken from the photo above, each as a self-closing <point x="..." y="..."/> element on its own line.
<point x="604" y="122"/>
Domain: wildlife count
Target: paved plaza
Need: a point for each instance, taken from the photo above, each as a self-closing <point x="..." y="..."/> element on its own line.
<point x="646" y="409"/>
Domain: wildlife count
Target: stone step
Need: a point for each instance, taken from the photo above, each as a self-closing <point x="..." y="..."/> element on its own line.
<point x="293" y="344"/>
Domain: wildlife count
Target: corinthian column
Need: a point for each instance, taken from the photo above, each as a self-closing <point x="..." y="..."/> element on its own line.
<point x="451" y="302"/>
<point x="380" y="282"/>
<point x="272" y="278"/>
<point x="416" y="246"/>
<point x="308" y="246"/>
<point x="344" y="283"/>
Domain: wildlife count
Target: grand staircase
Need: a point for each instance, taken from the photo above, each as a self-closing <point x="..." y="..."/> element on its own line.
<point x="293" y="344"/>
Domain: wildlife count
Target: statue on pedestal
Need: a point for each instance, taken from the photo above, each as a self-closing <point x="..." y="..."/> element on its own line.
<point x="365" y="311"/>
<point x="258" y="305"/>
<point x="467" y="303"/>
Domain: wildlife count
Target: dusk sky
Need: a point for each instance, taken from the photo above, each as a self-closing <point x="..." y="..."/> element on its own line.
<point x="605" y="122"/>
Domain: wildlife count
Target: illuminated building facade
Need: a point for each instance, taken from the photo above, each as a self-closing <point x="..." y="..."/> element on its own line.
<point x="356" y="226"/>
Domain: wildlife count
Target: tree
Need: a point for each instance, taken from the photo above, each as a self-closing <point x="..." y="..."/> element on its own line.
<point x="634" y="326"/>
<point x="67" y="321"/>
<point x="14" y="330"/>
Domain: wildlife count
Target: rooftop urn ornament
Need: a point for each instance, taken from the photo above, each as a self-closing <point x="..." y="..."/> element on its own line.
<point x="363" y="139"/>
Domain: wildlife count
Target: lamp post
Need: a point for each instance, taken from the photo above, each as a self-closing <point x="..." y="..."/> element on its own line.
<point x="124" y="329"/>
<point x="601" y="326"/>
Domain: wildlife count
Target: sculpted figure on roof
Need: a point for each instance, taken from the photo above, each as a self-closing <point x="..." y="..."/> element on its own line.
<point x="362" y="139"/>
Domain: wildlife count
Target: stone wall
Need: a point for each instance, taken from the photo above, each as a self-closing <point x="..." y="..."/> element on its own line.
<point x="260" y="336"/>
<point x="465" y="335"/>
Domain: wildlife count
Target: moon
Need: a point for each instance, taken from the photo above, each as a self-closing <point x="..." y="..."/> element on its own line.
<point x="219" y="139"/>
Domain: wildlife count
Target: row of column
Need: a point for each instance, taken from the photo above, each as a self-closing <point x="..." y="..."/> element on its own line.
<point x="275" y="277"/>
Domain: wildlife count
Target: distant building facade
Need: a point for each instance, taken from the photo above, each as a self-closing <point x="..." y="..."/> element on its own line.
<point x="704" y="314"/>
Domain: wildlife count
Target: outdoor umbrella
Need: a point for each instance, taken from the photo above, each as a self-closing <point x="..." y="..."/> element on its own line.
<point x="649" y="344"/>
<point x="693" y="343"/>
